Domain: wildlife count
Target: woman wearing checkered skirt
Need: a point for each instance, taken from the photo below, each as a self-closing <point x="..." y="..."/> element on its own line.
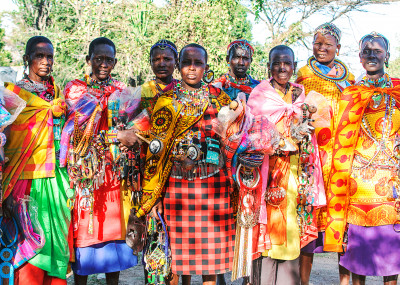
<point x="185" y="174"/>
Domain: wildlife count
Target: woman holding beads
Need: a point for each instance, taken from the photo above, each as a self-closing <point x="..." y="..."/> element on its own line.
<point x="189" y="170"/>
<point x="280" y="220"/>
<point x="239" y="57"/>
<point x="328" y="76"/>
<point x="101" y="203"/>
<point x="33" y="168"/>
<point x="364" y="184"/>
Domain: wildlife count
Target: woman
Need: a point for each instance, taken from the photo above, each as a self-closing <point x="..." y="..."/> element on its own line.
<point x="279" y="242"/>
<point x="89" y="147"/>
<point x="367" y="204"/>
<point x="163" y="60"/>
<point x="239" y="57"/>
<point x="189" y="171"/>
<point x="33" y="168"/>
<point x="328" y="76"/>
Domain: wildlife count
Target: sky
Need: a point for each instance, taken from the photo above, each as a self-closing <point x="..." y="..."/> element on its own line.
<point x="383" y="19"/>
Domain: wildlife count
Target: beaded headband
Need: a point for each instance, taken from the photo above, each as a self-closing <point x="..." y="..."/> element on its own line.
<point x="163" y="44"/>
<point x="375" y="35"/>
<point x="244" y="44"/>
<point x="331" y="29"/>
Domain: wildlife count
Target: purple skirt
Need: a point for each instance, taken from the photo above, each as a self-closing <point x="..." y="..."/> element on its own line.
<point x="372" y="251"/>
<point x="316" y="246"/>
<point x="105" y="257"/>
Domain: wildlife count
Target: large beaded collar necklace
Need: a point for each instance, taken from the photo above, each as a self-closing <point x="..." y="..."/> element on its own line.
<point x="44" y="90"/>
<point x="377" y="162"/>
<point x="92" y="83"/>
<point x="312" y="63"/>
<point x="193" y="101"/>
<point x="239" y="81"/>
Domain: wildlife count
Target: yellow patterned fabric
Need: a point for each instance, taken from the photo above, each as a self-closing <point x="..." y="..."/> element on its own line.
<point x="369" y="205"/>
<point x="169" y="126"/>
<point x="30" y="144"/>
<point x="148" y="91"/>
<point x="331" y="91"/>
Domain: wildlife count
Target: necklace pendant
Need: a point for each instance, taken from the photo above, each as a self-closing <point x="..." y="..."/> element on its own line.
<point x="377" y="100"/>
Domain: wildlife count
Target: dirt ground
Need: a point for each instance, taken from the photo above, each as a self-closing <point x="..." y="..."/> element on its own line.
<point x="324" y="272"/>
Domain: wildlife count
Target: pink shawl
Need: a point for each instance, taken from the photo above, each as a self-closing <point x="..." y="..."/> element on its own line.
<point x="265" y="100"/>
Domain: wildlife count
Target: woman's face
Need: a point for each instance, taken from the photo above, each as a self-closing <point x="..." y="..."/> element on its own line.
<point x="102" y="61"/>
<point x="373" y="56"/>
<point x="240" y="61"/>
<point x="192" y="66"/>
<point x="325" y="48"/>
<point x="281" y="66"/>
<point x="41" y="61"/>
<point x="162" y="62"/>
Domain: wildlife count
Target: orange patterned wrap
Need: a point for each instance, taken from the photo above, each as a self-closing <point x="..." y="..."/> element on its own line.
<point x="352" y="106"/>
<point x="332" y="93"/>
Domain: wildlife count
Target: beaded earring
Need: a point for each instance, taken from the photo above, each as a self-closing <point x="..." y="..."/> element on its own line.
<point x="337" y="53"/>
<point x="387" y="63"/>
<point x="208" y="76"/>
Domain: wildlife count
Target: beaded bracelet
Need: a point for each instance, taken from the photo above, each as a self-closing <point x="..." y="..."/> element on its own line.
<point x="112" y="136"/>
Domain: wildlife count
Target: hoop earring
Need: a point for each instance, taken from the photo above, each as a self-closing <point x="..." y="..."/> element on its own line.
<point x="208" y="76"/>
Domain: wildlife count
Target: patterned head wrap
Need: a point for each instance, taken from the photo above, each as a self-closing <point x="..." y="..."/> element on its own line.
<point x="244" y="44"/>
<point x="163" y="44"/>
<point x="331" y="29"/>
<point x="372" y="36"/>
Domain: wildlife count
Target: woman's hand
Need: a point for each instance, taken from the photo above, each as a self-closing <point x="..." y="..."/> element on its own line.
<point x="128" y="138"/>
<point x="158" y="207"/>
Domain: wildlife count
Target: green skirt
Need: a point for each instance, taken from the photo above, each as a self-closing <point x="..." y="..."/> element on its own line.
<point x="55" y="217"/>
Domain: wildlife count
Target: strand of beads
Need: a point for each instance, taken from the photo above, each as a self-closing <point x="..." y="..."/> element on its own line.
<point x="239" y="81"/>
<point x="193" y="101"/>
<point x="305" y="198"/>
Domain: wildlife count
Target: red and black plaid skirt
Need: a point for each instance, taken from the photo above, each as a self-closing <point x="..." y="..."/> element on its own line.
<point x="201" y="225"/>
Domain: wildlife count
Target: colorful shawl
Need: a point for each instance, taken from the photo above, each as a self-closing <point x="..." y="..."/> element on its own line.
<point x="169" y="127"/>
<point x="30" y="144"/>
<point x="330" y="83"/>
<point x="264" y="100"/>
<point x="81" y="103"/>
<point x="227" y="84"/>
<point x="149" y="90"/>
<point x="352" y="106"/>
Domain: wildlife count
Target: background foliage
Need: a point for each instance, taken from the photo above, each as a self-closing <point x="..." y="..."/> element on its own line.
<point x="135" y="25"/>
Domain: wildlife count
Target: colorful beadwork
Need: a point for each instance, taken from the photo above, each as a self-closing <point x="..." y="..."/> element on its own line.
<point x="312" y="61"/>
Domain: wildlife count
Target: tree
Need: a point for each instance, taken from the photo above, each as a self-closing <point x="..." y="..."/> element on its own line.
<point x="284" y="18"/>
<point x="134" y="26"/>
<point x="394" y="68"/>
<point x="5" y="56"/>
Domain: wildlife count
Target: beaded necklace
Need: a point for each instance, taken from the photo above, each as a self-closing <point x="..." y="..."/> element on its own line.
<point x="193" y="101"/>
<point x="158" y="87"/>
<point x="377" y="162"/>
<point x="97" y="87"/>
<point x="383" y="82"/>
<point x="312" y="63"/>
<point x="239" y="81"/>
<point x="44" y="89"/>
